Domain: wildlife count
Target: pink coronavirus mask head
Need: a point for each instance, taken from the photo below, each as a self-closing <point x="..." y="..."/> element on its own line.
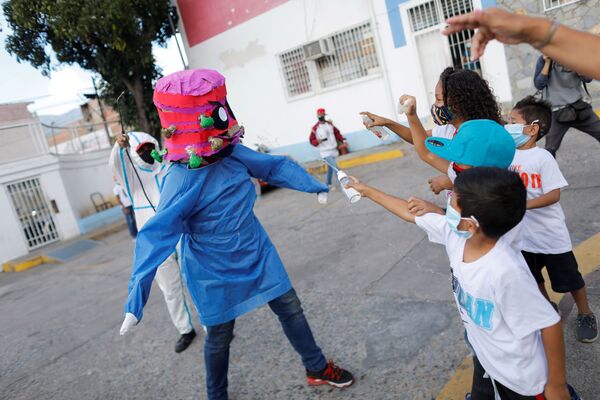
<point x="198" y="125"/>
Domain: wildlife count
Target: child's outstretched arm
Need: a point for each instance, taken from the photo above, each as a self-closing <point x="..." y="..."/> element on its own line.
<point x="544" y="200"/>
<point x="419" y="135"/>
<point x="393" y="204"/>
<point x="279" y="171"/>
<point x="554" y="347"/>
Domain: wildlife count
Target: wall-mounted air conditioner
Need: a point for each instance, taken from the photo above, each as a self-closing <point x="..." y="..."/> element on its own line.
<point x="318" y="49"/>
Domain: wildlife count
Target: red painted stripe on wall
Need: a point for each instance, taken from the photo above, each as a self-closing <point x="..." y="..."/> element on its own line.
<point x="203" y="19"/>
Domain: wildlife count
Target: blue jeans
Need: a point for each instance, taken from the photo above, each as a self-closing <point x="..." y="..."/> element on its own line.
<point x="219" y="337"/>
<point x="330" y="160"/>
<point x="130" y="218"/>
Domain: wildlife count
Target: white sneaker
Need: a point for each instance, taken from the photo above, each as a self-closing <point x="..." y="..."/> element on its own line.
<point x="322" y="198"/>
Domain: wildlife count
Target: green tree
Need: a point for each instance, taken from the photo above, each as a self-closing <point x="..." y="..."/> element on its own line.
<point x="110" y="37"/>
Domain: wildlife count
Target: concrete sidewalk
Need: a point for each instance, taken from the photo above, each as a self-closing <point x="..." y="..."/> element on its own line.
<point x="375" y="291"/>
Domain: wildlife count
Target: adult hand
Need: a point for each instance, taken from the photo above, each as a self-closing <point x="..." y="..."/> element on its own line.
<point x="129" y="322"/>
<point x="420" y="207"/>
<point x="377" y="120"/>
<point x="123" y="140"/>
<point x="556" y="392"/>
<point x="410" y="104"/>
<point x="492" y="23"/>
<point x="439" y="183"/>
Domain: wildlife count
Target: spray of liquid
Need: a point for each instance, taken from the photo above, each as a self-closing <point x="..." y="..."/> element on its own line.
<point x="351" y="193"/>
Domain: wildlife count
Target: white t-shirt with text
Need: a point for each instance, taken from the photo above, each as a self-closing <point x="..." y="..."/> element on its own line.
<point x="544" y="229"/>
<point x="501" y="307"/>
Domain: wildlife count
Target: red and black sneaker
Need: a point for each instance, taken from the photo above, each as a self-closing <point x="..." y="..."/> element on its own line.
<point x="331" y="375"/>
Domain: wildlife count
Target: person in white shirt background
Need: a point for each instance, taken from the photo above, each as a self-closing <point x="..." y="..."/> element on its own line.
<point x="545" y="237"/>
<point x="125" y="203"/>
<point x="142" y="176"/>
<point x="326" y="138"/>
<point x="515" y="333"/>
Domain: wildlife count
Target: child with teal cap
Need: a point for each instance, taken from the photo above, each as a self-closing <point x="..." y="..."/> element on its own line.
<point x="478" y="143"/>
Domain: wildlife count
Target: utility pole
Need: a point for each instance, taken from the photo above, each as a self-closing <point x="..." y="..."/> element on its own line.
<point x="101" y="112"/>
<point x="185" y="66"/>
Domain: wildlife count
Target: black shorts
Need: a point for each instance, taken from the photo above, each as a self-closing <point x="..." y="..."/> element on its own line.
<point x="483" y="389"/>
<point x="562" y="270"/>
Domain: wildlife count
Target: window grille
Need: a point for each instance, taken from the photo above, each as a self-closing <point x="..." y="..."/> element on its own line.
<point x="295" y="72"/>
<point x="352" y="55"/>
<point x="32" y="210"/>
<point x="554" y="4"/>
<point x="424" y="16"/>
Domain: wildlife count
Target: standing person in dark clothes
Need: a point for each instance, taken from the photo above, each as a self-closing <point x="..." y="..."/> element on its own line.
<point x="563" y="88"/>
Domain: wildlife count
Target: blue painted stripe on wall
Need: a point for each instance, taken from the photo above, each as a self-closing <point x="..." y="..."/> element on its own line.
<point x="95" y="221"/>
<point x="393" y="10"/>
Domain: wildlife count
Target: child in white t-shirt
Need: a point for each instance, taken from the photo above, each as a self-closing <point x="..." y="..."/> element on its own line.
<point x="515" y="333"/>
<point x="545" y="237"/>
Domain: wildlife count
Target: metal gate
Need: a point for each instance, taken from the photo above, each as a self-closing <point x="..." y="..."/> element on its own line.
<point x="32" y="209"/>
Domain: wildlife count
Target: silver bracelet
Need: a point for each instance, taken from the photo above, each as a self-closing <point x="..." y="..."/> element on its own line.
<point x="549" y="36"/>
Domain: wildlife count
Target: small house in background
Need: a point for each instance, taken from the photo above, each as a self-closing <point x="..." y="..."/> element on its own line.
<point x="46" y="197"/>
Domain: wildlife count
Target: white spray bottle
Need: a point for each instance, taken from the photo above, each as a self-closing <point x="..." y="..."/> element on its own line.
<point x="351" y="194"/>
<point x="379" y="131"/>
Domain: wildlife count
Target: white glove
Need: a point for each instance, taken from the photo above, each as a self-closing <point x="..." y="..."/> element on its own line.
<point x="322" y="198"/>
<point x="129" y="322"/>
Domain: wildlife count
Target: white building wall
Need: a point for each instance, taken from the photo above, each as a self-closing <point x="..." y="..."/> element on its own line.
<point x="46" y="168"/>
<point x="256" y="89"/>
<point x="247" y="55"/>
<point x="84" y="174"/>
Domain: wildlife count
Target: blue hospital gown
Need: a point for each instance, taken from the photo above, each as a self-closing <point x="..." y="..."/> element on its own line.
<point x="228" y="261"/>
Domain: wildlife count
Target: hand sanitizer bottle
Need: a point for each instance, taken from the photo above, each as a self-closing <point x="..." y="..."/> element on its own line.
<point x="351" y="193"/>
<point x="379" y="131"/>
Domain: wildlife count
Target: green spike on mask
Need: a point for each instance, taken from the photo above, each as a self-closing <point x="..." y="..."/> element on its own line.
<point x="158" y="155"/>
<point x="206" y="122"/>
<point x="195" y="161"/>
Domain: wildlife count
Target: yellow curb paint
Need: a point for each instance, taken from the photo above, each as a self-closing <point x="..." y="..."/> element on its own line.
<point x="27" y="264"/>
<point x="588" y="258"/>
<point x="360" y="160"/>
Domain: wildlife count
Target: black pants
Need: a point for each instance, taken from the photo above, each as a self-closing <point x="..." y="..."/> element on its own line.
<point x="483" y="389"/>
<point x="587" y="121"/>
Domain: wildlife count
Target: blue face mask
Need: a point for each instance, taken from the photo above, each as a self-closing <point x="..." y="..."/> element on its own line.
<point x="516" y="131"/>
<point x="453" y="218"/>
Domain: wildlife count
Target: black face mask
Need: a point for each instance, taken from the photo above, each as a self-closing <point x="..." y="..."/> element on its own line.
<point x="322" y="118"/>
<point x="147" y="157"/>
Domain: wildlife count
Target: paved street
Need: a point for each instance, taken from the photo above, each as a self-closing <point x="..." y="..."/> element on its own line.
<point x="376" y="293"/>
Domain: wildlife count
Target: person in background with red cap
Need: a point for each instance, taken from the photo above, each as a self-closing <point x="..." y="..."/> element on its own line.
<point x="325" y="137"/>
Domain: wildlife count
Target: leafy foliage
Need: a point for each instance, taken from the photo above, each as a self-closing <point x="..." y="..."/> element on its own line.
<point x="110" y="37"/>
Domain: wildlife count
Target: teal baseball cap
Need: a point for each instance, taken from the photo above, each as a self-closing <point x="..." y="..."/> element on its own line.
<point x="478" y="143"/>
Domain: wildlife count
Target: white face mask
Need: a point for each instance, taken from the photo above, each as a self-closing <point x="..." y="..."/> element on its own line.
<point x="453" y="218"/>
<point x="516" y="131"/>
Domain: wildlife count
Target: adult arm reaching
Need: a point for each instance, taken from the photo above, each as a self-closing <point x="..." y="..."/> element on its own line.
<point x="574" y="49"/>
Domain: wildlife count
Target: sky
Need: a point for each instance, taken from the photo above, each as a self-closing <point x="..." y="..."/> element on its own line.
<point x="63" y="90"/>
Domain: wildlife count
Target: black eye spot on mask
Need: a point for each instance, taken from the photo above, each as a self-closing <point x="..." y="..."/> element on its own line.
<point x="436" y="143"/>
<point x="229" y="110"/>
<point x="220" y="117"/>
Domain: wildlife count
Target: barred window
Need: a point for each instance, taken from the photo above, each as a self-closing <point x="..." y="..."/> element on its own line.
<point x="553" y="4"/>
<point x="295" y="72"/>
<point x="345" y="56"/>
